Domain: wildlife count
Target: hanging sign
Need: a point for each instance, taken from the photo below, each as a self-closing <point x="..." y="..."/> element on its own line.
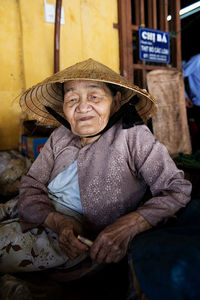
<point x="154" y="45"/>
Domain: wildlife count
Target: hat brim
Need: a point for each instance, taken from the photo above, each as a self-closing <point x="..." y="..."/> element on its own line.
<point x="49" y="93"/>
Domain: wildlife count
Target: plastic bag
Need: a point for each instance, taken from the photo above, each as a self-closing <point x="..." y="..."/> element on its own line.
<point x="12" y="166"/>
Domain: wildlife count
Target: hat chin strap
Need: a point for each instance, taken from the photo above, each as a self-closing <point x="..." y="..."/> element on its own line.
<point x="58" y="117"/>
<point x="127" y="112"/>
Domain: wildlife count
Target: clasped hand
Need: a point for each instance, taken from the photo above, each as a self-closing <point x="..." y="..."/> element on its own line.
<point x="67" y="228"/>
<point x="111" y="244"/>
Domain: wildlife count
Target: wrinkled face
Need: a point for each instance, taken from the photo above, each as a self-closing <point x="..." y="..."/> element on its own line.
<point x="88" y="106"/>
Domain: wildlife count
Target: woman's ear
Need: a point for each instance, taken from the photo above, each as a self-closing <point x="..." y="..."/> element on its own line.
<point x="116" y="101"/>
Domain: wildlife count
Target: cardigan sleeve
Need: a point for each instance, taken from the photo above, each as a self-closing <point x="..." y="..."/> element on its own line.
<point x="34" y="204"/>
<point x="156" y="168"/>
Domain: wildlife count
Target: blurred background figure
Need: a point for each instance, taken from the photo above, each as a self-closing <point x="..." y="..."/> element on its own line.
<point x="191" y="74"/>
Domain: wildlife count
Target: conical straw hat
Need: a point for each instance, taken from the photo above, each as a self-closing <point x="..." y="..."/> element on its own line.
<point x="49" y="92"/>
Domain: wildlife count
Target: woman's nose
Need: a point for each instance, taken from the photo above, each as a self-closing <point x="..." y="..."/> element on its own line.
<point x="84" y="106"/>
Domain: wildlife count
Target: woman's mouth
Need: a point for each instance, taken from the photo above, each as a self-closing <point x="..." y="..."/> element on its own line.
<point x="86" y="118"/>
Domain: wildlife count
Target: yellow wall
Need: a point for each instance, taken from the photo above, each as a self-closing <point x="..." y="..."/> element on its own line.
<point x="11" y="76"/>
<point x="27" y="42"/>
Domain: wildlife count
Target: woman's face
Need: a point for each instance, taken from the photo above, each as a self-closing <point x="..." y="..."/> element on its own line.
<point x="88" y="106"/>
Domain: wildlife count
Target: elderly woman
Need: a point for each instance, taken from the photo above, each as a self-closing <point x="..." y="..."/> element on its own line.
<point x="92" y="174"/>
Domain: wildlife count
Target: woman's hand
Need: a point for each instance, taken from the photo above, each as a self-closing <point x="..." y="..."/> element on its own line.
<point x="67" y="229"/>
<point x="112" y="243"/>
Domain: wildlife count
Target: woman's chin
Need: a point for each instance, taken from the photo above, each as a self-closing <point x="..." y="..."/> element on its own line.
<point x="86" y="132"/>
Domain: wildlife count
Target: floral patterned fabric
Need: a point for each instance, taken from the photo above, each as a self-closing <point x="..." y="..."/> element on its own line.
<point x="34" y="250"/>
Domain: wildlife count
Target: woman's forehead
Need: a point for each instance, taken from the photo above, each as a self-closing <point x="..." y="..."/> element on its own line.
<point x="78" y="84"/>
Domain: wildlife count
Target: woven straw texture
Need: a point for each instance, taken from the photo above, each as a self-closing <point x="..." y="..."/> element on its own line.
<point x="49" y="92"/>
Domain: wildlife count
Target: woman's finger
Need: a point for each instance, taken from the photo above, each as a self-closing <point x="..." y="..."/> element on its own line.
<point x="109" y="255"/>
<point x="100" y="249"/>
<point x="101" y="255"/>
<point x="114" y="257"/>
<point x="71" y="244"/>
<point x="70" y="253"/>
<point x="73" y="241"/>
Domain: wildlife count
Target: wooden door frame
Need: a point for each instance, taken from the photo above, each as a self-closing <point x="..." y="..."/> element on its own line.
<point x="126" y="29"/>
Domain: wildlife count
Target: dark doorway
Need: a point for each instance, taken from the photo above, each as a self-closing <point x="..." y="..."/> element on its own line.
<point x="190" y="27"/>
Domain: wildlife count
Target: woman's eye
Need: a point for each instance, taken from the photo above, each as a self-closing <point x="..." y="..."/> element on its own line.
<point x="93" y="97"/>
<point x="72" y="100"/>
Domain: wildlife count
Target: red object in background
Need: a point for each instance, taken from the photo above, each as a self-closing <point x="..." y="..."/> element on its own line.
<point x="39" y="148"/>
<point x="194" y="135"/>
<point x="32" y="145"/>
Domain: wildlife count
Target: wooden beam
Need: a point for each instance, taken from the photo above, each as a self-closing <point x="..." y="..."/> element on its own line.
<point x="151" y="67"/>
<point x="57" y="36"/>
<point x="125" y="38"/>
<point x="175" y="33"/>
<point x="154" y="8"/>
<point x="152" y="14"/>
<point x="163" y="12"/>
<point x="134" y="27"/>
<point x="136" y="12"/>
<point x="142" y="13"/>
<point x="144" y="72"/>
